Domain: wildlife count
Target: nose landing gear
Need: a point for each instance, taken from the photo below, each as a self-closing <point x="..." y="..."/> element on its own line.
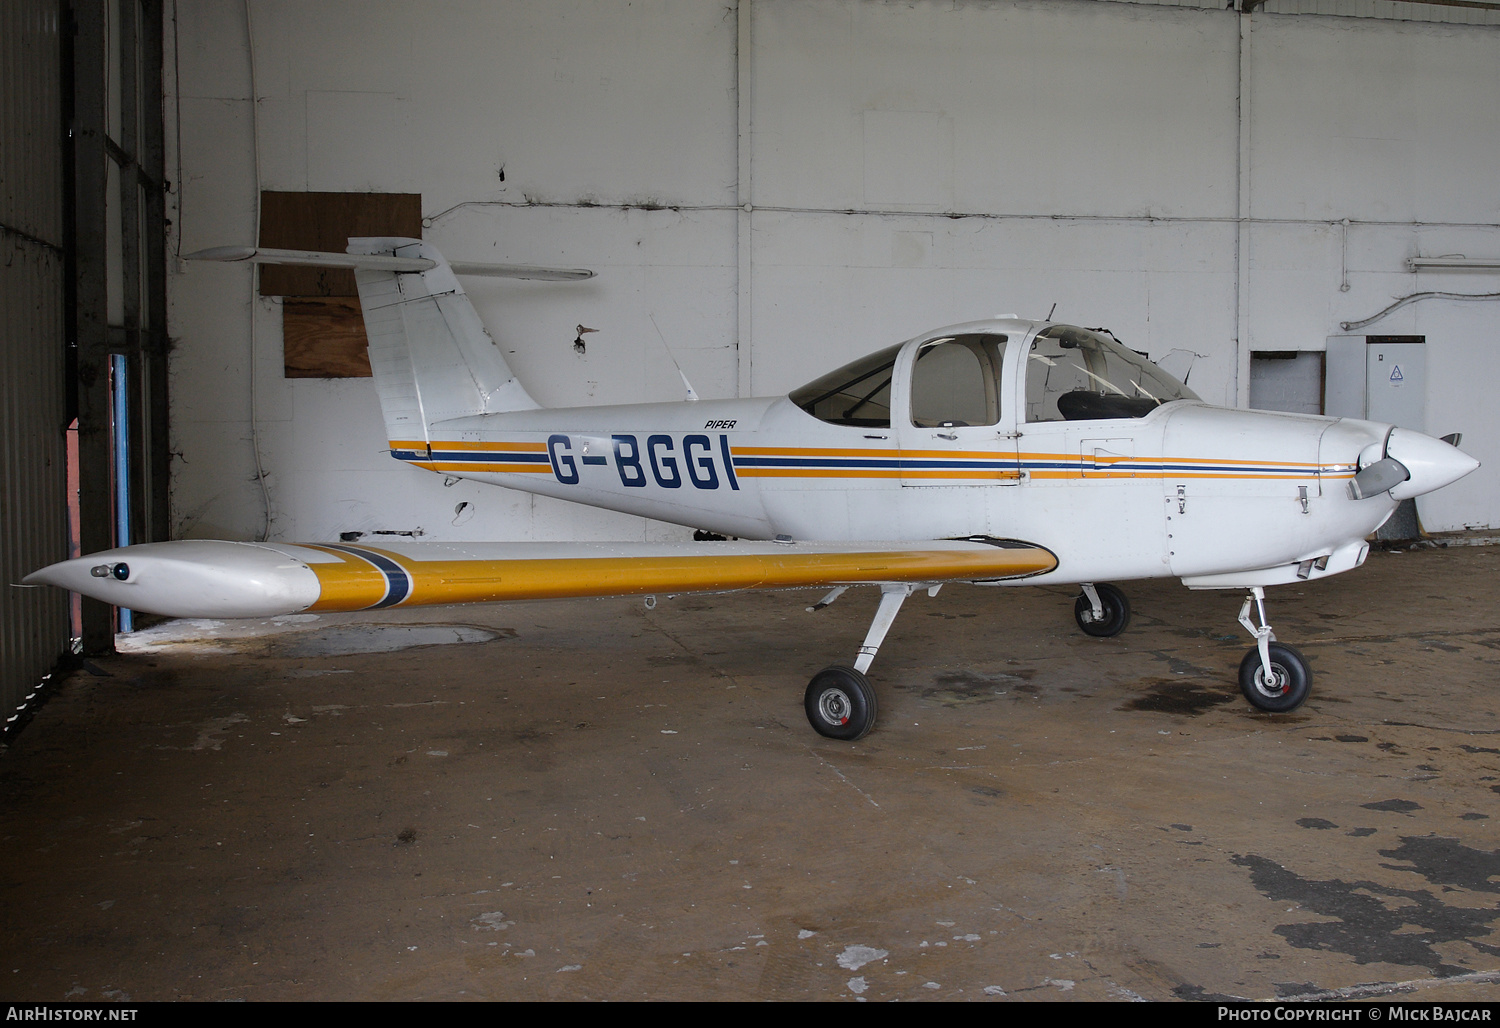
<point x="1274" y="677"/>
<point x="1102" y="611"/>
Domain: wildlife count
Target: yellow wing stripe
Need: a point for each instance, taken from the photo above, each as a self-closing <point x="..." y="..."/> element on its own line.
<point x="353" y="584"/>
<point x="347" y="585"/>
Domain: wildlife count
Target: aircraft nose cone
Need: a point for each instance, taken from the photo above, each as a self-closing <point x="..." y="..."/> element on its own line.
<point x="1431" y="462"/>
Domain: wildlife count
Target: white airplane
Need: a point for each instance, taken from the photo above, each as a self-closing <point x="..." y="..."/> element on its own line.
<point x="998" y="452"/>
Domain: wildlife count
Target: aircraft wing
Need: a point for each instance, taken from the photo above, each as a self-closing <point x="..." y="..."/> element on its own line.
<point x="210" y="578"/>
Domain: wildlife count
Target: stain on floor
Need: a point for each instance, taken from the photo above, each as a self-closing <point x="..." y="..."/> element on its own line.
<point x="1179" y="696"/>
<point x="1374" y="923"/>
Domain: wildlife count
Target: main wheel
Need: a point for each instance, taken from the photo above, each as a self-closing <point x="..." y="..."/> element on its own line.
<point x="1116" y="612"/>
<point x="840" y="703"/>
<point x="1286" y="689"/>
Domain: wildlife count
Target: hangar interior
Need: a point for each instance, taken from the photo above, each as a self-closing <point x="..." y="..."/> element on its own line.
<point x="1260" y="194"/>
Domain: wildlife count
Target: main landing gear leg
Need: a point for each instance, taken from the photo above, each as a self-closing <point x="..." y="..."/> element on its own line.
<point x="1273" y="677"/>
<point x="840" y="702"/>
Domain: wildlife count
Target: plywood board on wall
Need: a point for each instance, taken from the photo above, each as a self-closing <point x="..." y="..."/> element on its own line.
<point x="322" y="325"/>
<point x="327" y="221"/>
<point x="324" y="337"/>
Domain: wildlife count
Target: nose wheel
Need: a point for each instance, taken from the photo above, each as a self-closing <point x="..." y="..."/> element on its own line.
<point x="1284" y="688"/>
<point x="1102" y="611"/>
<point x="1273" y="676"/>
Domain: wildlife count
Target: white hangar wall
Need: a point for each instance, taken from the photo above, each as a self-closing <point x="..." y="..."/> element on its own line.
<point x="1396" y="127"/>
<point x="905" y="165"/>
<point x="1091" y="145"/>
<point x="581" y="102"/>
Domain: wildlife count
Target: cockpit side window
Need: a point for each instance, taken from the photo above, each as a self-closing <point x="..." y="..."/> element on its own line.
<point x="1073" y="374"/>
<point x="857" y="394"/>
<point x="955" y="381"/>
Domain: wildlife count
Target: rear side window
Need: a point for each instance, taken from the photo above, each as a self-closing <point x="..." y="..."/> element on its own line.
<point x="857" y="394"/>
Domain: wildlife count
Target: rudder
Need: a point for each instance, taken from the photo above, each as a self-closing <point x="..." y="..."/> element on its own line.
<point x="431" y="356"/>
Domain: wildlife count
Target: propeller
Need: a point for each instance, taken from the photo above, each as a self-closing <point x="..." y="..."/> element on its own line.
<point x="1382" y="476"/>
<point x="1378" y="474"/>
<point x="1408" y="464"/>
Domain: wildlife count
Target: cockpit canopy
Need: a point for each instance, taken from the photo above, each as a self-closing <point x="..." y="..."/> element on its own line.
<point x="1072" y="374"/>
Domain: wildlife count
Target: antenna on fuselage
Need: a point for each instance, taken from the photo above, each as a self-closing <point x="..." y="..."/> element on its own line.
<point x="1052" y="311"/>
<point x="692" y="394"/>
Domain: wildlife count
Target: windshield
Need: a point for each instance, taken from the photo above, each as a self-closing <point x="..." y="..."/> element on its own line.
<point x="1075" y="374"/>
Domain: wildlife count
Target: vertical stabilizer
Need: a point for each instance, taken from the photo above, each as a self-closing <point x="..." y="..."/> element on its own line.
<point x="430" y="354"/>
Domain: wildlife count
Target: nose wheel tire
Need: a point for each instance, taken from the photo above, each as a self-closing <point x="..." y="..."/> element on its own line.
<point x="840" y="704"/>
<point x="1285" y="689"/>
<point x="1116" y="612"/>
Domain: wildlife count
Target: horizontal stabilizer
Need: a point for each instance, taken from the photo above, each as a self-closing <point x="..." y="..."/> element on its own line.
<point x="383" y="262"/>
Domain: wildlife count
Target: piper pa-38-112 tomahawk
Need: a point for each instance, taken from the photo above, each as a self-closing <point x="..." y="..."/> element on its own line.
<point x="998" y="452"/>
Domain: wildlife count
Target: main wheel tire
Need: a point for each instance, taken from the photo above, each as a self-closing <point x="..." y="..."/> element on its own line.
<point x="1116" y="612"/>
<point x="840" y="703"/>
<point x="1290" y="683"/>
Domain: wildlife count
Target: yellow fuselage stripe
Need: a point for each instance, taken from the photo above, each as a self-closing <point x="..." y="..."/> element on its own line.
<point x="421" y="444"/>
<point x="493" y="466"/>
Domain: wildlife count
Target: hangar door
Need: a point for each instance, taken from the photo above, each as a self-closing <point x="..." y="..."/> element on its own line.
<point x="82" y="312"/>
<point x="33" y="403"/>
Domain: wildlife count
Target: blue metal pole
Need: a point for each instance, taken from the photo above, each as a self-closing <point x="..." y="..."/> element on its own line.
<point x="120" y="374"/>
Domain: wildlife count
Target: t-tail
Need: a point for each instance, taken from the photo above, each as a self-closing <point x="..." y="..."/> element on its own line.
<point x="431" y="356"/>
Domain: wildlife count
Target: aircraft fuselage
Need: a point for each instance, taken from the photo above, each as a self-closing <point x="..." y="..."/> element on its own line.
<point x="1188" y="489"/>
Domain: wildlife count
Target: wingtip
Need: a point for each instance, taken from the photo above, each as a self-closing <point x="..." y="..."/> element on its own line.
<point x="221" y="253"/>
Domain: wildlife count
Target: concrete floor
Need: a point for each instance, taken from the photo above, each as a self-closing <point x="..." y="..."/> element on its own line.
<point x="590" y="800"/>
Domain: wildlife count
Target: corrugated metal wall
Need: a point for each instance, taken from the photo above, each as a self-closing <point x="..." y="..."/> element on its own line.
<point x="33" y="467"/>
